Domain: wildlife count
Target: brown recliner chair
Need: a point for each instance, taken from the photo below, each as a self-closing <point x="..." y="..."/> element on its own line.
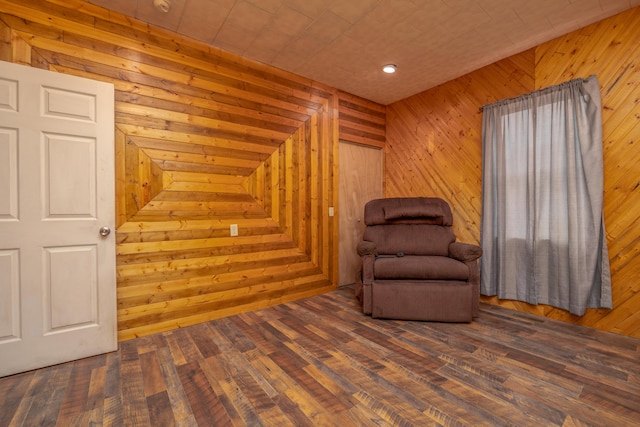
<point x="412" y="267"/>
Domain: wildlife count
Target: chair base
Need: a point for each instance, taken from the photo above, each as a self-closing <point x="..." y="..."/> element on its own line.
<point x="439" y="301"/>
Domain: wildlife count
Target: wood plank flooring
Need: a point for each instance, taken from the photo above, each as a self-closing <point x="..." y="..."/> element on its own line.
<point x="319" y="361"/>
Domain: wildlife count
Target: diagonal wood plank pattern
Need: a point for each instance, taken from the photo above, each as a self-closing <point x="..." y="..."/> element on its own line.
<point x="319" y="361"/>
<point x="434" y="147"/>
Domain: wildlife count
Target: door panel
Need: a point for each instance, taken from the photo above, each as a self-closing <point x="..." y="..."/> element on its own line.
<point x="360" y="181"/>
<point x="70" y="191"/>
<point x="9" y="295"/>
<point x="8" y="174"/>
<point x="70" y="288"/>
<point x="57" y="273"/>
<point x="69" y="104"/>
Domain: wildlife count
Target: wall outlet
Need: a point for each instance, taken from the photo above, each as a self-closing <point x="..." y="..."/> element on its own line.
<point x="331" y="212"/>
<point x="233" y="230"/>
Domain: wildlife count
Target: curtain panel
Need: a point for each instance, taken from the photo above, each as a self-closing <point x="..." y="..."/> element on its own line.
<point x="543" y="235"/>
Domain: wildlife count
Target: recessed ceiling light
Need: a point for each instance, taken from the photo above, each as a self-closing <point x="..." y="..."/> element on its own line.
<point x="389" y="68"/>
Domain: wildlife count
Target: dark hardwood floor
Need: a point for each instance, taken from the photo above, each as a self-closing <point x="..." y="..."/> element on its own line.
<point x="319" y="362"/>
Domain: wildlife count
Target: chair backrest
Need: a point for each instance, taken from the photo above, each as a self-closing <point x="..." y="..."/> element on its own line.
<point x="411" y="225"/>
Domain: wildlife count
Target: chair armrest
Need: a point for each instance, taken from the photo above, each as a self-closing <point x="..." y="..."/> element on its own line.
<point x="366" y="248"/>
<point x="367" y="251"/>
<point x="469" y="254"/>
<point x="464" y="251"/>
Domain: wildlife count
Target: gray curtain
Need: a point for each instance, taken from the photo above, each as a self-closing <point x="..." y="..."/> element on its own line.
<point x="543" y="235"/>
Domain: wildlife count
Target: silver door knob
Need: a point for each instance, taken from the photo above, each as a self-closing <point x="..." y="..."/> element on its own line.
<point x="104" y="231"/>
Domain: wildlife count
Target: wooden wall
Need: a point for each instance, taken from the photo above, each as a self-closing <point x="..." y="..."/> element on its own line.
<point x="434" y="147"/>
<point x="361" y="122"/>
<point x="204" y="139"/>
<point x="434" y="139"/>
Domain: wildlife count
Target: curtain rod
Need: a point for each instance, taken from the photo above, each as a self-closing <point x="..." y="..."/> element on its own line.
<point x="568" y="82"/>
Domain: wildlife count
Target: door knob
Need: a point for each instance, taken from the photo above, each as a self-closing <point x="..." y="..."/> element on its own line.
<point x="104" y="231"/>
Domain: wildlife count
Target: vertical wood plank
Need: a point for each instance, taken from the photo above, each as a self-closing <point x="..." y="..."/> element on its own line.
<point x="21" y="51"/>
<point x="6" y="43"/>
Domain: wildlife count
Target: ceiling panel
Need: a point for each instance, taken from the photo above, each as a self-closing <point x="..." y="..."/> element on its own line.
<point x="344" y="44"/>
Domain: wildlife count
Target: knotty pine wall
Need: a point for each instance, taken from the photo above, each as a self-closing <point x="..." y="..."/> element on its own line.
<point x="204" y="139"/>
<point x="434" y="147"/>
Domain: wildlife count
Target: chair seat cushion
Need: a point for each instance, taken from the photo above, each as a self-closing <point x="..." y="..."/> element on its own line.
<point x="420" y="268"/>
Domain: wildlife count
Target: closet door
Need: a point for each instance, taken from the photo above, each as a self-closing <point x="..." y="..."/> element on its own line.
<point x="360" y="169"/>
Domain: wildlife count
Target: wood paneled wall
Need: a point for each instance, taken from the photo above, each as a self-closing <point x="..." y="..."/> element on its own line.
<point x="361" y="121"/>
<point x="434" y="147"/>
<point x="434" y="139"/>
<point x="204" y="139"/>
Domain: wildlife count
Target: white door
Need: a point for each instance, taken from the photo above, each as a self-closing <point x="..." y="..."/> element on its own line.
<point x="57" y="273"/>
<point x="360" y="181"/>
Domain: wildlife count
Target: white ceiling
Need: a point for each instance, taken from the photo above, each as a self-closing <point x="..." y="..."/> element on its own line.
<point x="344" y="43"/>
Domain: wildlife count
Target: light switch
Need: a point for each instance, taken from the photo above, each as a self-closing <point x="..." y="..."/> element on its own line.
<point x="330" y="210"/>
<point x="233" y="230"/>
